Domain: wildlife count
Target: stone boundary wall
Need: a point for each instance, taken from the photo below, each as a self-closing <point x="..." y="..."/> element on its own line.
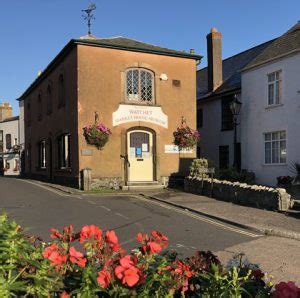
<point x="106" y="182"/>
<point x="262" y="197"/>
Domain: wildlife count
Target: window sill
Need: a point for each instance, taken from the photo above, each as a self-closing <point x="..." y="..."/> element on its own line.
<point x="138" y="103"/>
<point x="274" y="164"/>
<point x="64" y="170"/>
<point x="273" y="106"/>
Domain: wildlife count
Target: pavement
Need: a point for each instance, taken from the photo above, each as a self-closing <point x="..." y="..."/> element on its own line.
<point x="267" y="222"/>
<point x="190" y="221"/>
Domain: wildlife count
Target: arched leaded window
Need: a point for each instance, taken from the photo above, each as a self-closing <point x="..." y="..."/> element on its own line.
<point x="140" y="85"/>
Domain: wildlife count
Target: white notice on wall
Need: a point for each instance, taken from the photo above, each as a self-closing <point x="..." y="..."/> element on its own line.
<point x="132" y="113"/>
<point x="175" y="149"/>
<point x="145" y="147"/>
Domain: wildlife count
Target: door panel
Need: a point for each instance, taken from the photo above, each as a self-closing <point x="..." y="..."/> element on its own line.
<point x="140" y="155"/>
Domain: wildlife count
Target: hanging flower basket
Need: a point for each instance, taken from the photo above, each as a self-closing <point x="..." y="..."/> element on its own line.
<point x="96" y="134"/>
<point x="185" y="137"/>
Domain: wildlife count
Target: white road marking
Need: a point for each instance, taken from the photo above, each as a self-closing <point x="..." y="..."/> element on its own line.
<point x="105" y="208"/>
<point x="45" y="187"/>
<point x="201" y="218"/>
<point x="128" y="241"/>
<point x="121" y="215"/>
<point x="91" y="202"/>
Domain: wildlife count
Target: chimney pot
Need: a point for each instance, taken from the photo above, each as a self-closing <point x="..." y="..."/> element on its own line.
<point x="214" y="59"/>
<point x="192" y="51"/>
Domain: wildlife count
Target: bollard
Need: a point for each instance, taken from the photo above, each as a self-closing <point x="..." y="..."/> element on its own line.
<point x="87" y="179"/>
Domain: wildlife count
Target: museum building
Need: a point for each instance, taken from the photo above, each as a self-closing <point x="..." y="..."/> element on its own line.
<point x="141" y="92"/>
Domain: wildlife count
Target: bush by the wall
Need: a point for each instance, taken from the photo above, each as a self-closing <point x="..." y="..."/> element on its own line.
<point x="196" y="166"/>
<point x="231" y="174"/>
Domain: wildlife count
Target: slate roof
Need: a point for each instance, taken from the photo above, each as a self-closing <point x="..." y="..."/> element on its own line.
<point x="286" y="44"/>
<point x="232" y="67"/>
<point x="10" y="119"/>
<point x="119" y="42"/>
<point x="125" y="43"/>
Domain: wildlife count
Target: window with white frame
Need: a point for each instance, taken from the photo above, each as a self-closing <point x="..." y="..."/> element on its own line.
<point x="274" y="88"/>
<point x="139" y="85"/>
<point x="64" y="151"/>
<point x="275" y="147"/>
<point x="42" y="154"/>
<point x="1" y="140"/>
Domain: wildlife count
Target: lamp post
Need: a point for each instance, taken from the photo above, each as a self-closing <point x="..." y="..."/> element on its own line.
<point x="235" y="107"/>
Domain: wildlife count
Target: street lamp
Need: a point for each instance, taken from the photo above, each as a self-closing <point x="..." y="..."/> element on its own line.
<point x="235" y="107"/>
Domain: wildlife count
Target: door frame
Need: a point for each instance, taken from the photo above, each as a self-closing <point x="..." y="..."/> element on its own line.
<point x="154" y="150"/>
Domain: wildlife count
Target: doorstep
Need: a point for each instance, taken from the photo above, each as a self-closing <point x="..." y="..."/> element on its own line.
<point x="143" y="185"/>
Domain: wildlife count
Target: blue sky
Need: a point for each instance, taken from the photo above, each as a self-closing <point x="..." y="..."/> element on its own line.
<point x="34" y="31"/>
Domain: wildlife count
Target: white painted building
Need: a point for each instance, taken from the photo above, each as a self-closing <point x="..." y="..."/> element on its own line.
<point x="217" y="84"/>
<point x="266" y="80"/>
<point x="271" y="109"/>
<point x="9" y="142"/>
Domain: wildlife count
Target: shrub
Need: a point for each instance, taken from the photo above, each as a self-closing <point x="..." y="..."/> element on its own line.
<point x="92" y="263"/>
<point x="196" y="166"/>
<point x="284" y="180"/>
<point x="231" y="174"/>
<point x="97" y="135"/>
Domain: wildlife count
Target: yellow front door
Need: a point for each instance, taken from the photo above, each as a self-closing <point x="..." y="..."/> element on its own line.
<point x="140" y="155"/>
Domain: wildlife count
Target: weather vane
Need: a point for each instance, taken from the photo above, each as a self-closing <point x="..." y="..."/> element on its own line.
<point x="88" y="15"/>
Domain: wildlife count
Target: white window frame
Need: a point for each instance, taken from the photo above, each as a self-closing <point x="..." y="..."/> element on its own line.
<point x="42" y="155"/>
<point x="64" y="151"/>
<point x="269" y="139"/>
<point x="274" y="84"/>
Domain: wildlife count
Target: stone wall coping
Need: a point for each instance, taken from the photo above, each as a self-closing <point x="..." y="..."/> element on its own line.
<point x="241" y="185"/>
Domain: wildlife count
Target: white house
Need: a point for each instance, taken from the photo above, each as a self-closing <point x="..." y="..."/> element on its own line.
<point x="271" y="109"/>
<point x="217" y="85"/>
<point x="9" y="142"/>
<point x="266" y="79"/>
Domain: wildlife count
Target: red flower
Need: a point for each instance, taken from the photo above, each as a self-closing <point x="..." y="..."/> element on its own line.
<point x="154" y="247"/>
<point x="55" y="234"/>
<point x="139" y="237"/>
<point x="66" y="235"/>
<point x="54" y="254"/>
<point x="127" y="272"/>
<point x="182" y="273"/>
<point x="90" y="232"/>
<point x="77" y="257"/>
<point x="104" y="278"/>
<point x="286" y="290"/>
<point x="64" y="294"/>
<point x="159" y="236"/>
<point x="153" y="244"/>
<point x="112" y="239"/>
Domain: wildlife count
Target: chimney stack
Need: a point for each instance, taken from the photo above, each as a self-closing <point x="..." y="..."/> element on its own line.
<point x="5" y="111"/>
<point x="214" y="59"/>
